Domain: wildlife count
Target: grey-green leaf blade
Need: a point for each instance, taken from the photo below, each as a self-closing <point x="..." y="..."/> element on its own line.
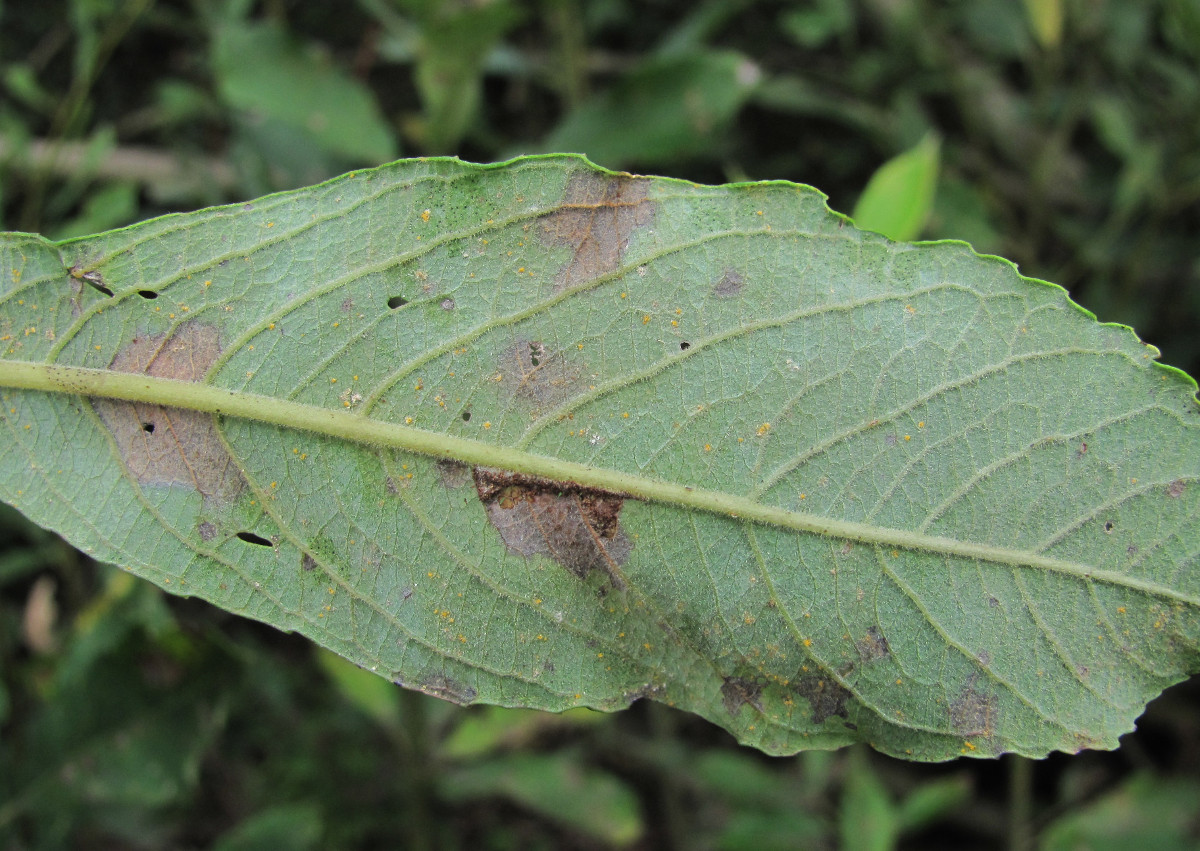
<point x="964" y="512"/>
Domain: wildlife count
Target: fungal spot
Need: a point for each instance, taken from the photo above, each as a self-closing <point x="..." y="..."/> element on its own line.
<point x="453" y="475"/>
<point x="148" y="294"/>
<point x="447" y="688"/>
<point x="729" y="285"/>
<point x="1175" y="489"/>
<point x="535" y="373"/>
<point x="447" y="304"/>
<point x="737" y="692"/>
<point x="207" y="531"/>
<point x="973" y="713"/>
<point x="170" y="446"/>
<point x="307" y="562"/>
<point x="576" y="526"/>
<point x="348" y="304"/>
<point x="257" y="540"/>
<point x="397" y="301"/>
<point x="993" y="602"/>
<point x="873" y="645"/>
<point x="826" y="696"/>
<point x="684" y="345"/>
<point x="598" y="215"/>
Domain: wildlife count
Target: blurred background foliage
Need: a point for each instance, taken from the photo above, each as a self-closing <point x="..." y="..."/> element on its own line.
<point x="1062" y="134"/>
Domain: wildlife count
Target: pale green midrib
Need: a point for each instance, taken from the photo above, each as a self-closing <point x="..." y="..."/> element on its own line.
<point x="131" y="387"/>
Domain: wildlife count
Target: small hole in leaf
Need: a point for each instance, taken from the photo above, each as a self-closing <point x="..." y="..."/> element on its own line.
<point x="251" y="538"/>
<point x="148" y="294"/>
<point x="397" y="301"/>
<point x="466" y="416"/>
<point x="1108" y="525"/>
<point x="684" y="346"/>
<point x="148" y="428"/>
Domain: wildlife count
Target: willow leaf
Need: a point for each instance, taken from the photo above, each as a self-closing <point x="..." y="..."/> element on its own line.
<point x="541" y="435"/>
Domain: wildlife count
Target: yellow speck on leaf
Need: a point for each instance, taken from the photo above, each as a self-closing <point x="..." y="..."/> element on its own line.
<point x="425" y="215"/>
<point x="487" y="424"/>
<point x="708" y="447"/>
<point x="808" y="642"/>
<point x="763" y="429"/>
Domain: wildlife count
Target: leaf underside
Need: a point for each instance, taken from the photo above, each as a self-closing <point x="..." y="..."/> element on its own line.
<point x="542" y="435"/>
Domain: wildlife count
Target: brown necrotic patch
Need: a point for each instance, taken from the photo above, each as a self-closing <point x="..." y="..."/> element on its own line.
<point x="577" y="526"/>
<point x="532" y="371"/>
<point x="973" y="712"/>
<point x="448" y="688"/>
<point x="737" y="692"/>
<point x="729" y="285"/>
<point x="598" y="215"/>
<point x="171" y="446"/>
<point x="873" y="645"/>
<point x="452" y="474"/>
<point x="826" y="696"/>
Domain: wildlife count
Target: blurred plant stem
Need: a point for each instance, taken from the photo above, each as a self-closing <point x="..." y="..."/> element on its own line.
<point x="1020" y="803"/>
<point x="148" y="166"/>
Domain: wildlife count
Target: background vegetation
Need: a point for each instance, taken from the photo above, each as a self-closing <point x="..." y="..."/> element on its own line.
<point x="1064" y="135"/>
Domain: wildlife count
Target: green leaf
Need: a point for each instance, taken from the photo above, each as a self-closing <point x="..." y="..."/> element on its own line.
<point x="261" y="71"/>
<point x="668" y="108"/>
<point x="899" y="195"/>
<point x="542" y="435"/>
<point x="559" y="786"/>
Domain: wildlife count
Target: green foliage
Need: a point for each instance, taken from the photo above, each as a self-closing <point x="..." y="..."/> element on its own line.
<point x="1073" y="154"/>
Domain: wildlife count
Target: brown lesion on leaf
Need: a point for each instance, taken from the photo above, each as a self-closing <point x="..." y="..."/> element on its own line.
<point x="452" y="474"/>
<point x="973" y="712"/>
<point x="826" y="696"/>
<point x="729" y="285"/>
<point x="737" y="692"/>
<point x="171" y="446"/>
<point x="596" y="219"/>
<point x="307" y="563"/>
<point x="577" y="526"/>
<point x="1175" y="489"/>
<point x="448" y="688"/>
<point x="873" y="645"/>
<point x="531" y="370"/>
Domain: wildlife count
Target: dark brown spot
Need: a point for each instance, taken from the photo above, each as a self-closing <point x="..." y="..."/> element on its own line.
<point x="973" y="713"/>
<point x="736" y="692"/>
<point x="1175" y="489"/>
<point x="576" y="526"/>
<point x="447" y="304"/>
<point x="447" y="688"/>
<point x="390" y="485"/>
<point x="452" y="474"/>
<point x="826" y="697"/>
<point x="307" y="562"/>
<point x="598" y="215"/>
<point x="347" y="305"/>
<point x="170" y="446"/>
<point x="531" y="371"/>
<point x="730" y="285"/>
<point x="873" y="645"/>
<point x="207" y="531"/>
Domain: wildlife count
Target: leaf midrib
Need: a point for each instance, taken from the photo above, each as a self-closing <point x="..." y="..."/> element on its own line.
<point x="133" y="387"/>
